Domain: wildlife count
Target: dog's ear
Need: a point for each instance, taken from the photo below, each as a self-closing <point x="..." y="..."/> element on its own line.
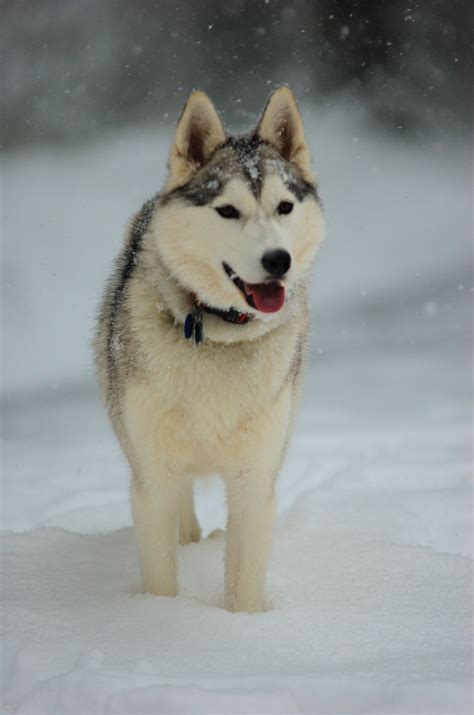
<point x="198" y="133"/>
<point x="282" y="126"/>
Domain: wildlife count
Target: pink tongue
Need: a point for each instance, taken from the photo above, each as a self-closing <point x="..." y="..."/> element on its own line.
<point x="268" y="297"/>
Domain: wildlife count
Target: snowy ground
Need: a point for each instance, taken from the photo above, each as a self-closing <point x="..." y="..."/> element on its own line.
<point x="371" y="568"/>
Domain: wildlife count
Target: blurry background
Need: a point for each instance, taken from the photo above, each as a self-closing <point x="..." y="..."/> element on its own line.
<point x="380" y="459"/>
<point x="75" y="69"/>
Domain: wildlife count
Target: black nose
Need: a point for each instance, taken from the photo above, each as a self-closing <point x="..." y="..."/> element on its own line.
<point x="277" y="262"/>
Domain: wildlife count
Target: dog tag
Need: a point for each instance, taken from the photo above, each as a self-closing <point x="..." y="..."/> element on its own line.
<point x="198" y="326"/>
<point x="193" y="325"/>
<point x="198" y="333"/>
<point x="189" y="325"/>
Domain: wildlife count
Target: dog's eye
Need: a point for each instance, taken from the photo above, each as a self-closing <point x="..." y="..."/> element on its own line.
<point x="227" y="211"/>
<point x="285" y="207"/>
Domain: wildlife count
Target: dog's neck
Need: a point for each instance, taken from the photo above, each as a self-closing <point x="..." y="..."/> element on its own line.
<point x="224" y="326"/>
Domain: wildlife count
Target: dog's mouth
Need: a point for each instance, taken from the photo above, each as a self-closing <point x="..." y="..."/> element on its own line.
<point x="268" y="297"/>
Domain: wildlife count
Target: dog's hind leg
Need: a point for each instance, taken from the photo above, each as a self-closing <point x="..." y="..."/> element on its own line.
<point x="155" y="517"/>
<point x="189" y="529"/>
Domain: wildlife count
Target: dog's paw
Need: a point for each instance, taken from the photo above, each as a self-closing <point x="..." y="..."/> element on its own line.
<point x="217" y="534"/>
<point x="234" y="605"/>
<point x="189" y="535"/>
<point x="157" y="585"/>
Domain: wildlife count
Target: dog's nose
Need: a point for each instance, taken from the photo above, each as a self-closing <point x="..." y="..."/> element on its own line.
<point x="277" y="262"/>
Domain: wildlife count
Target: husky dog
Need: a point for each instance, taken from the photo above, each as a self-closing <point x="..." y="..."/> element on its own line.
<point x="202" y="335"/>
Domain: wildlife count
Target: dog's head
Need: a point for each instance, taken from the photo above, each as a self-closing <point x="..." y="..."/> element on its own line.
<point x="240" y="221"/>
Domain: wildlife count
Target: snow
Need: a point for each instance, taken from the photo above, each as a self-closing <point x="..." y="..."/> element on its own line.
<point x="370" y="576"/>
<point x="252" y="168"/>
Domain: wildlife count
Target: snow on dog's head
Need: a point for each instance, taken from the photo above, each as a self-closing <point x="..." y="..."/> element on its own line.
<point x="239" y="222"/>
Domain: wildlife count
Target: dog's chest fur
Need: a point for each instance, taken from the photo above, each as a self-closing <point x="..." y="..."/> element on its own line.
<point x="200" y="402"/>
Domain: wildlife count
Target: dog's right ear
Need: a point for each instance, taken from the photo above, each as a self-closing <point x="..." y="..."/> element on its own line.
<point x="281" y="125"/>
<point x="198" y="133"/>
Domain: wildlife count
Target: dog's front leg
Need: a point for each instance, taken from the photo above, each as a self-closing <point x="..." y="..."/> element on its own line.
<point x="251" y="514"/>
<point x="155" y="518"/>
<point x="251" y="505"/>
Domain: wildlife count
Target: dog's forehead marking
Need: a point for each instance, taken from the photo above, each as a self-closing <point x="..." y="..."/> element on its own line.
<point x="238" y="192"/>
<point x="278" y="167"/>
<point x="247" y="157"/>
<point x="256" y="160"/>
<point x="274" y="190"/>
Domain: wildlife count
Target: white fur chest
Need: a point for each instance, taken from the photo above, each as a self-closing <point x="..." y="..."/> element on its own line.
<point x="219" y="383"/>
<point x="199" y="401"/>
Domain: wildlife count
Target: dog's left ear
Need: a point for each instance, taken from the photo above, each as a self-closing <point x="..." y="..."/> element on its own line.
<point x="282" y="126"/>
<point x="198" y="133"/>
